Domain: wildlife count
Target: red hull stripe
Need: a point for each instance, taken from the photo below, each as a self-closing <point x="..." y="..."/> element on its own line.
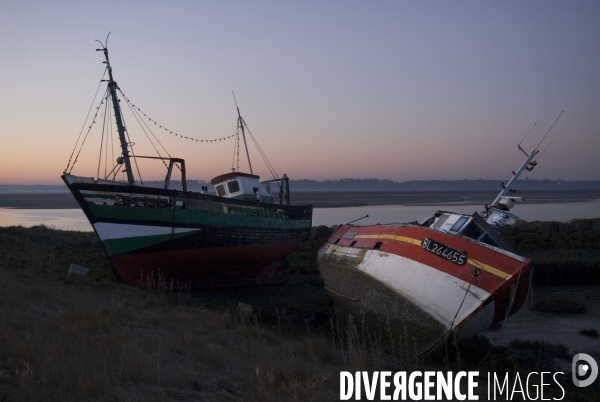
<point x="498" y="269"/>
<point x="417" y="242"/>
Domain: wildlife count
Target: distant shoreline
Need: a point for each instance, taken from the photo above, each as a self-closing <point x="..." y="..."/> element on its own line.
<point x="339" y="199"/>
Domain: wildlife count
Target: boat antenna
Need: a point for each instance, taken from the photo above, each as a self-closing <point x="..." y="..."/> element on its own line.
<point x="241" y="123"/>
<point x="548" y="146"/>
<point x="112" y="87"/>
<point x="538" y="145"/>
<point x="366" y="216"/>
<point x="527" y="134"/>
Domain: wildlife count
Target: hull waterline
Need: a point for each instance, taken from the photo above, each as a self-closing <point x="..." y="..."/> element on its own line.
<point x="196" y="240"/>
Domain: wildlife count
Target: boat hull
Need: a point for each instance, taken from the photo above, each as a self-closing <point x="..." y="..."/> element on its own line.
<point x="386" y="274"/>
<point x="200" y="241"/>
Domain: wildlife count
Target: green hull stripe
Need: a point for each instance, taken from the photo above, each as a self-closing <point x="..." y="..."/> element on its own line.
<point x="183" y="216"/>
<point x="127" y="244"/>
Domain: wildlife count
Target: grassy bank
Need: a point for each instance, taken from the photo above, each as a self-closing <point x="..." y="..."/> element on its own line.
<point x="95" y="338"/>
<point x="565" y="253"/>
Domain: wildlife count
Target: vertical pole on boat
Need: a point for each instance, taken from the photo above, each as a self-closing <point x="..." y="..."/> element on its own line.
<point x="241" y="125"/>
<point x="516" y="175"/>
<point x="112" y="87"/>
<point x="287" y="188"/>
<point x="528" y="164"/>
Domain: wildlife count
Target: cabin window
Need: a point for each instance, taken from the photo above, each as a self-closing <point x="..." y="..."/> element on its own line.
<point x="378" y="245"/>
<point x="233" y="186"/>
<point x="440" y="222"/>
<point x="472" y="231"/>
<point x="221" y="190"/>
<point x="459" y="224"/>
<point x="353" y="243"/>
<point x="488" y="240"/>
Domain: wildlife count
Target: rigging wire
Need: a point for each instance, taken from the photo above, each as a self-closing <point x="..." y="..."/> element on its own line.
<point x="236" y="147"/>
<point x="101" y="142"/>
<point x="112" y="145"/>
<point x="527" y="133"/>
<point x="547" y="146"/>
<point x="446" y="333"/>
<point x="549" y="129"/>
<point x="140" y="121"/>
<point x="86" y="135"/>
<point x="171" y="131"/>
<point x="130" y="144"/>
<point x="108" y="133"/>
<point x="264" y="156"/>
<point x="107" y="122"/>
<point x="85" y="121"/>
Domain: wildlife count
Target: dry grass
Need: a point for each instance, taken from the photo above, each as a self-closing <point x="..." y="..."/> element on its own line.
<point x="95" y="338"/>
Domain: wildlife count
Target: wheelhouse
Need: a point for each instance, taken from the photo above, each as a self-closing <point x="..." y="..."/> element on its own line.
<point x="242" y="186"/>
<point x="471" y="226"/>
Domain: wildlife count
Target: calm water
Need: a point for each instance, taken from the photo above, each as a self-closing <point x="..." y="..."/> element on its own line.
<point x="74" y="219"/>
<point x="563" y="211"/>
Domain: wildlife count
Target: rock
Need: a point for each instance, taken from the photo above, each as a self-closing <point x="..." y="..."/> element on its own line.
<point x="244" y="312"/>
<point x="77" y="270"/>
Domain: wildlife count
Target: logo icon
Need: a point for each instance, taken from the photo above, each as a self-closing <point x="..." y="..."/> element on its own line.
<point x="584" y="370"/>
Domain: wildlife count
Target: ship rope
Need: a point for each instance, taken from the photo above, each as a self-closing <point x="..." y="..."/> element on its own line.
<point x="104" y="127"/>
<point x="446" y="333"/>
<point x="262" y="154"/>
<point x="171" y="132"/>
<point x="507" y="310"/>
<point x="84" y="124"/>
<point x="145" y="125"/>
<point x="512" y="299"/>
<point x="131" y="144"/>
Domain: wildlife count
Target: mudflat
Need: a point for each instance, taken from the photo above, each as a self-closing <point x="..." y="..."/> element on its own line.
<point x="38" y="200"/>
<point x="337" y="199"/>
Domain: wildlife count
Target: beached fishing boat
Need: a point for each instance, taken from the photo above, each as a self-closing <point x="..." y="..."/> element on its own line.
<point x="452" y="274"/>
<point x="233" y="235"/>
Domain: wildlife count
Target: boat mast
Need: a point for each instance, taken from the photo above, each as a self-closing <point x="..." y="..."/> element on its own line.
<point x="528" y="164"/>
<point x="525" y="165"/>
<point x="112" y="87"/>
<point x="241" y="125"/>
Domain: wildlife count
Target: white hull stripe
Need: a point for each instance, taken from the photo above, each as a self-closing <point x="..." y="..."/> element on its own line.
<point x="107" y="231"/>
<point x="437" y="293"/>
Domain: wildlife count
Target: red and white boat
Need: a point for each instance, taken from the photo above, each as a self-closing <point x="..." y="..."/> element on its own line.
<point x="453" y="274"/>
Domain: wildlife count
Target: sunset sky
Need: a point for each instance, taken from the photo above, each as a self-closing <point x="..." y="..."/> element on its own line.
<point x="400" y="90"/>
